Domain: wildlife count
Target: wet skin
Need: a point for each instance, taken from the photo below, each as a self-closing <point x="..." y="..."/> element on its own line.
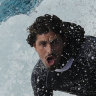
<point x="49" y="46"/>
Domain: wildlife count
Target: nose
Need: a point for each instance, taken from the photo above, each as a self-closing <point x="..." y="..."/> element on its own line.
<point x="49" y="48"/>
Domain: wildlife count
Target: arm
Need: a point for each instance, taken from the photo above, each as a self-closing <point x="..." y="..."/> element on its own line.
<point x="38" y="82"/>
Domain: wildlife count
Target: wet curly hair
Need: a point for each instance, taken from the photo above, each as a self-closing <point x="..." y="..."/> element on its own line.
<point x="73" y="33"/>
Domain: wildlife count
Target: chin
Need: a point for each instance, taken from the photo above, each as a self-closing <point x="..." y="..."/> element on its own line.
<point x="52" y="68"/>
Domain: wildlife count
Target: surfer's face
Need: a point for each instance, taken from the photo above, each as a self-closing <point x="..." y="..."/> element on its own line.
<point x="49" y="46"/>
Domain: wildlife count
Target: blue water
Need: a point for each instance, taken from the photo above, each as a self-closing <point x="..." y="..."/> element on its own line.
<point x="14" y="7"/>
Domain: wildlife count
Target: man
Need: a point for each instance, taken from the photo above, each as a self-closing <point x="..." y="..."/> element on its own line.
<point x="67" y="58"/>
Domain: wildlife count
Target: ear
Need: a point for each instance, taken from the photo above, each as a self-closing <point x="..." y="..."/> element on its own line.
<point x="34" y="45"/>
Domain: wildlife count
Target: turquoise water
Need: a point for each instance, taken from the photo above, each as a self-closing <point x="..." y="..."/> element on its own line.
<point x="14" y="7"/>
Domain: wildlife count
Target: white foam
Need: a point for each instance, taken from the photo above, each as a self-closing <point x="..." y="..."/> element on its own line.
<point x="17" y="58"/>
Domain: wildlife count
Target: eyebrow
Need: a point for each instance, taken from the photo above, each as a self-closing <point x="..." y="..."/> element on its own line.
<point x="41" y="42"/>
<point x="54" y="40"/>
<point x="51" y="41"/>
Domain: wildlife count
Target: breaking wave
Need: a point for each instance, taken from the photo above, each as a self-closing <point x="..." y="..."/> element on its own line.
<point x="14" y="7"/>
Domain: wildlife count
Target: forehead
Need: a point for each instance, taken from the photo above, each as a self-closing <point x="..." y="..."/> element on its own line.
<point x="48" y="36"/>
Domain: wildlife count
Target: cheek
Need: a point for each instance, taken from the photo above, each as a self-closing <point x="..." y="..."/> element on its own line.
<point x="59" y="48"/>
<point x="41" y="53"/>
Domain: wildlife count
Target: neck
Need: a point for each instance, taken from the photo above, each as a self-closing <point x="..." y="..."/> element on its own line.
<point x="63" y="60"/>
<point x="66" y="67"/>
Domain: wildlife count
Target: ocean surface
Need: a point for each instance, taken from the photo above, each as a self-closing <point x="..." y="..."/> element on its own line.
<point x="10" y="8"/>
<point x="17" y="58"/>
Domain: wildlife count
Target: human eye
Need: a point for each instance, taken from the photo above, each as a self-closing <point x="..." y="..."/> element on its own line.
<point x="43" y="43"/>
<point x="56" y="41"/>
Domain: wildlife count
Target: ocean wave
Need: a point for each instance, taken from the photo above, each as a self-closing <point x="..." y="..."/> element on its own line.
<point x="14" y="7"/>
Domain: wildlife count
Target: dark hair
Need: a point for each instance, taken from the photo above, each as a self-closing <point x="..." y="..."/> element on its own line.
<point x="73" y="33"/>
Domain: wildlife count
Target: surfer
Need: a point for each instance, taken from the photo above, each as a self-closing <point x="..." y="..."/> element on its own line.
<point x="67" y="57"/>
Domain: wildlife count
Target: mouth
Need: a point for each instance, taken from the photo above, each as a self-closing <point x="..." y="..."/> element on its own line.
<point x="51" y="60"/>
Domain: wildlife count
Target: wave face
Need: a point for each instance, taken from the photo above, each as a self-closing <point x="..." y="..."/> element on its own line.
<point x="14" y="7"/>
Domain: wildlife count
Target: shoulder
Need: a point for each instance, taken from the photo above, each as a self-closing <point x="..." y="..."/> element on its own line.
<point x="90" y="39"/>
<point x="38" y="80"/>
<point x="88" y="50"/>
<point x="89" y="44"/>
<point x="39" y="72"/>
<point x="39" y="68"/>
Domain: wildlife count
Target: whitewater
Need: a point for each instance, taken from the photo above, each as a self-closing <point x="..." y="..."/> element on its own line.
<point x="17" y="58"/>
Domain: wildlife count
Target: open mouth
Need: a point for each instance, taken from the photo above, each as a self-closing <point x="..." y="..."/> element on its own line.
<point x="51" y="60"/>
